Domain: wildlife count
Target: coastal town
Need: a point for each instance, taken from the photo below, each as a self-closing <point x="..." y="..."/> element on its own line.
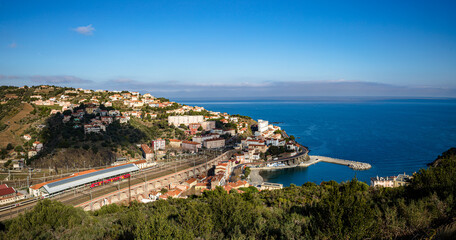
<point x="201" y="120"/>
<point x="192" y="134"/>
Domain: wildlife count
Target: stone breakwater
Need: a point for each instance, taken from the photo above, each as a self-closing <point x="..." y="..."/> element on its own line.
<point x="351" y="164"/>
<point x="359" y="166"/>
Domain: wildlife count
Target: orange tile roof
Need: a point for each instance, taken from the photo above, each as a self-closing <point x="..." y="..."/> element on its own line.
<point x="146" y="148"/>
<point x="191" y="180"/>
<point x="190" y="142"/>
<point x="237" y="184"/>
<point x="174" y="192"/>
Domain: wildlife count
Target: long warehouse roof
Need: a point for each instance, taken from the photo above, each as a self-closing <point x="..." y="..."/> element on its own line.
<point x="68" y="183"/>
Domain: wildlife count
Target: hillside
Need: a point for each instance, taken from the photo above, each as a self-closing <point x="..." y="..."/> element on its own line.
<point x="448" y="154"/>
<point x="351" y="210"/>
<point x="59" y="127"/>
<point x="14" y="126"/>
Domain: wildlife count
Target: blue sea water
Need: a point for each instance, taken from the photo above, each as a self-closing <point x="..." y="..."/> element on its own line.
<point x="393" y="135"/>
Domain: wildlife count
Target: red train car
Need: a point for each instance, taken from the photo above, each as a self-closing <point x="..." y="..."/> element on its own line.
<point x="96" y="184"/>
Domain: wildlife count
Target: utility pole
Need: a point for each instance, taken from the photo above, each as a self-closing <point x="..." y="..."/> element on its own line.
<point x="145" y="181"/>
<point x="129" y="192"/>
<point x="194" y="169"/>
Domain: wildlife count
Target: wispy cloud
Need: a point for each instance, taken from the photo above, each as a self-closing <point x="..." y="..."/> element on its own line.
<point x="58" y="80"/>
<point x="124" y="80"/>
<point x="8" y="77"/>
<point x="12" y="45"/>
<point x="241" y="90"/>
<point x="85" y="30"/>
<point x="280" y="89"/>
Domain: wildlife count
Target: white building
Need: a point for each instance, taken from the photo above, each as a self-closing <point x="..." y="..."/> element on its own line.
<point x="191" y="146"/>
<point x="27" y="137"/>
<point x="214" y="143"/>
<point x="202" y="138"/>
<point x="158" y="144"/>
<point x="208" y="125"/>
<point x="382" y="182"/>
<point x="94" y="128"/>
<point x="186" y="120"/>
<point x="38" y="146"/>
<point x="262" y="125"/>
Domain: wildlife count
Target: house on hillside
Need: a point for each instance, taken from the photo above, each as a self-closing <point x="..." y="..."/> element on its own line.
<point x="9" y="194"/>
<point x="191" y="146"/>
<point x="148" y="154"/>
<point x="175" y="143"/>
<point x="158" y="144"/>
<point x="214" y="143"/>
<point x="27" y="137"/>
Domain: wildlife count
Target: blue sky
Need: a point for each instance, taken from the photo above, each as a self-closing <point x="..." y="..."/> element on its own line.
<point x="234" y="48"/>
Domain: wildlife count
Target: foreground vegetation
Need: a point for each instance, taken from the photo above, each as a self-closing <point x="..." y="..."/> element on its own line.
<point x="351" y="210"/>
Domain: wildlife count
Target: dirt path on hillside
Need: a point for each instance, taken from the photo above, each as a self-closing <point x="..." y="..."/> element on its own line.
<point x="12" y="134"/>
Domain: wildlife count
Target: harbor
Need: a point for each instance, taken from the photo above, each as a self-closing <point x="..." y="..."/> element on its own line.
<point x="355" y="165"/>
<point x="256" y="179"/>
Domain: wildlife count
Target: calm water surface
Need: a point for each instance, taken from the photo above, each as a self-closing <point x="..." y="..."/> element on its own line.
<point x="394" y="136"/>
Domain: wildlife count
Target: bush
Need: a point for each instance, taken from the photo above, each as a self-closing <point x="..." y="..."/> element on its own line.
<point x="247" y="171"/>
<point x="7" y="163"/>
<point x="10" y="146"/>
<point x="19" y="148"/>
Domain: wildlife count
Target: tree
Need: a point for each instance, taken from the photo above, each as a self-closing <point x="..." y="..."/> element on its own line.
<point x="94" y="149"/>
<point x="19" y="148"/>
<point x="10" y="146"/>
<point x="67" y="112"/>
<point x="247" y="172"/>
<point x="3" y="153"/>
<point x="7" y="163"/>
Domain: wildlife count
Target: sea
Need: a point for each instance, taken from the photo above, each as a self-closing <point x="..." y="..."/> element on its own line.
<point x="393" y="135"/>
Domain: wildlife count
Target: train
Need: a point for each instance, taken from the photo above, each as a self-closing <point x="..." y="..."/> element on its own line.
<point x="96" y="184"/>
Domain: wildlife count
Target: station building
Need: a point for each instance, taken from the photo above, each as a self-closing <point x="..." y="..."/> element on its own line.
<point x="86" y="178"/>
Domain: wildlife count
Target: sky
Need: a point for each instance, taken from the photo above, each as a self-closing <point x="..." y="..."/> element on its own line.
<point x="233" y="48"/>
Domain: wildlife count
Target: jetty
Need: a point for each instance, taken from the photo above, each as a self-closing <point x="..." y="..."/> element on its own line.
<point x="351" y="164"/>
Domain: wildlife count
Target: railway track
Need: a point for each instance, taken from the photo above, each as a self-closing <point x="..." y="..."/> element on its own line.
<point x="83" y="194"/>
